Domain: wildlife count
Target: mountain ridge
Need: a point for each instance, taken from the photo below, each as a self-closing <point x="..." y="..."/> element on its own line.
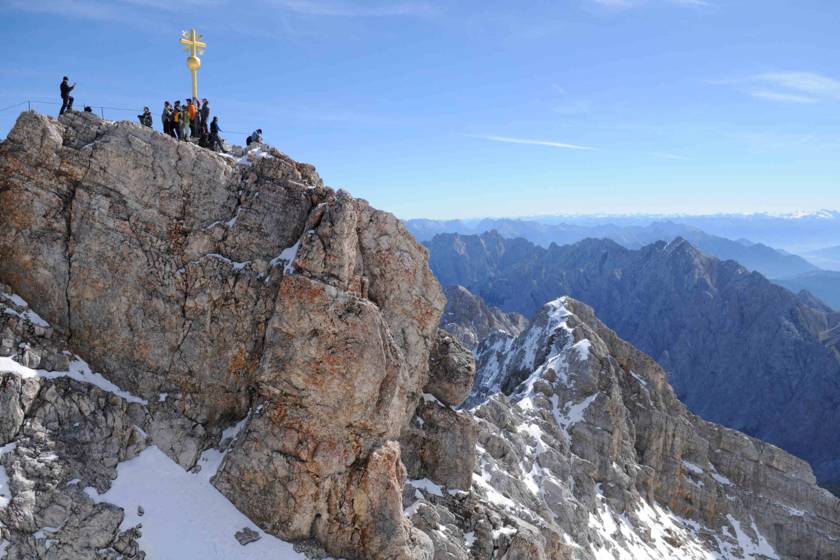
<point x="771" y="262"/>
<point x="735" y="345"/>
<point x="571" y="389"/>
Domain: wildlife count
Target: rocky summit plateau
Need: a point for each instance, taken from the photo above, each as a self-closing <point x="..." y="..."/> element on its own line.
<point x="210" y="356"/>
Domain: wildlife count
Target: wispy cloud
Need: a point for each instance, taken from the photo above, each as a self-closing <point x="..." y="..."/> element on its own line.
<point x="616" y="4"/>
<point x="809" y="83"/>
<point x="568" y="105"/>
<point x="670" y="156"/>
<point x="150" y="14"/>
<point x="692" y="3"/>
<point x="626" y="4"/>
<point x="535" y="142"/>
<point x="782" y="97"/>
<point x="339" y="8"/>
<point x="573" y="108"/>
<point x="788" y="87"/>
<point x="83" y="9"/>
<point x="772" y="141"/>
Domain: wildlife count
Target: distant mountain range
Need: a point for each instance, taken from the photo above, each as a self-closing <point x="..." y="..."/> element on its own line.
<point x="825" y="284"/>
<point x="797" y="232"/>
<point x="739" y="350"/>
<point x="770" y="262"/>
<point x="827" y="258"/>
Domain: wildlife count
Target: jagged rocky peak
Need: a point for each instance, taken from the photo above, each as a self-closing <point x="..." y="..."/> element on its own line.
<point x="470" y="320"/>
<point x="264" y="365"/>
<point x="585" y="452"/>
<point x="738" y="350"/>
<point x="224" y="291"/>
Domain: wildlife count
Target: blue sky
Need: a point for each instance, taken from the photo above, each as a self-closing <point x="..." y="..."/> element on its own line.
<point x="463" y="109"/>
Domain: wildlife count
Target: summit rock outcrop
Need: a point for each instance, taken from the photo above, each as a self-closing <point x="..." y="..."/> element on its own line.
<point x="222" y="289"/>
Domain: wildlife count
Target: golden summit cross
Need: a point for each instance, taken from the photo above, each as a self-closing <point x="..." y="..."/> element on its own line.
<point x="194" y="44"/>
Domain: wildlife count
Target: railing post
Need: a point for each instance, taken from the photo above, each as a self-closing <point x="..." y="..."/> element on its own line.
<point x="28" y="105"/>
<point x="102" y="112"/>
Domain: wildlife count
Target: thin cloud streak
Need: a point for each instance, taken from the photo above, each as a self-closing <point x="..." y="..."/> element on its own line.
<point x="669" y="156"/>
<point x="783" y="97"/>
<point x="535" y="142"/>
<point x="619" y="5"/>
<point x="348" y="9"/>
<point x="78" y="9"/>
<point x="803" y="88"/>
<point x="804" y="82"/>
<point x="692" y="3"/>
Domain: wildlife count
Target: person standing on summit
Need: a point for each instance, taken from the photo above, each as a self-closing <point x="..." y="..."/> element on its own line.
<point x="204" y="117"/>
<point x="215" y="139"/>
<point x="146" y="118"/>
<point x="166" y="118"/>
<point x="184" y="120"/>
<point x="66" y="98"/>
<point x="192" y="112"/>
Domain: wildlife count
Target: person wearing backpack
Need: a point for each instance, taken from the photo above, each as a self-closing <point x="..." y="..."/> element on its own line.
<point x="254" y="138"/>
<point x="185" y="121"/>
<point x="176" y="120"/>
<point x="166" y="118"/>
<point x="204" y="117"/>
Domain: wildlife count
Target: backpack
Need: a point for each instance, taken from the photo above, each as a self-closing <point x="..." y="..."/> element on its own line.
<point x="248" y="141"/>
<point x="177" y="116"/>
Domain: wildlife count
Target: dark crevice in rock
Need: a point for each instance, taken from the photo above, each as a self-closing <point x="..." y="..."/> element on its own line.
<point x="67" y="211"/>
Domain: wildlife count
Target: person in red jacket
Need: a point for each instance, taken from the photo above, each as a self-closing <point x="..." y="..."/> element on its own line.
<point x="192" y="111"/>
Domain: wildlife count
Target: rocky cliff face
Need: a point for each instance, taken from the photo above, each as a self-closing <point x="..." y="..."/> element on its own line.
<point x="221" y="290"/>
<point x="738" y="349"/>
<point x="470" y="320"/>
<point x="587" y="453"/>
<point x="266" y="366"/>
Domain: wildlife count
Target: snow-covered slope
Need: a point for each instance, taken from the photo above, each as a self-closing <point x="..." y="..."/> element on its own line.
<point x="53" y="449"/>
<point x="587" y="453"/>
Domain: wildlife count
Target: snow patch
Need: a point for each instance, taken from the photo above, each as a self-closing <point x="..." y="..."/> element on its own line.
<point x="237" y="266"/>
<point x="469" y="539"/>
<point x="5" y="492"/>
<point x="582" y="348"/>
<point x="286" y="258"/>
<point x="574" y="413"/>
<point x="79" y="370"/>
<point x="750" y="547"/>
<point x="643" y="382"/>
<point x="492" y="495"/>
<point x="427" y="486"/>
<point x="206" y="520"/>
<point x="26" y="314"/>
<point x="691" y="467"/>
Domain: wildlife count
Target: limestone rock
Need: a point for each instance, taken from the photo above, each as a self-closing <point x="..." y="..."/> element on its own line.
<point x="246" y="536"/>
<point x="451" y="369"/>
<point x="439" y="444"/>
<point x="588" y="439"/>
<point x="211" y="286"/>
